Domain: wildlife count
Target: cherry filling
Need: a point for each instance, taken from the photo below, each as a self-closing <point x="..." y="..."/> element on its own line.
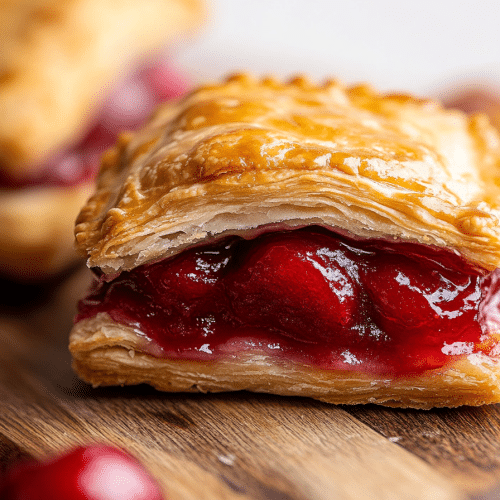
<point x="310" y="296"/>
<point x="126" y="108"/>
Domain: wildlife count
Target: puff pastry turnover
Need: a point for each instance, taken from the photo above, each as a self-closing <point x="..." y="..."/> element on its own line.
<point x="71" y="74"/>
<point x="56" y="59"/>
<point x="298" y="239"/>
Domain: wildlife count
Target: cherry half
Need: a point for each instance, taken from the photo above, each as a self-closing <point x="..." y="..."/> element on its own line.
<point x="93" y="472"/>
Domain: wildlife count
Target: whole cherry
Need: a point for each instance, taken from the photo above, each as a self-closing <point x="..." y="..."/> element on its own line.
<point x="94" y="472"/>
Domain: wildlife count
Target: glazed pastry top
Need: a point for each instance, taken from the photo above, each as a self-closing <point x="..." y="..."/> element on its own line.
<point x="58" y="59"/>
<point x="246" y="155"/>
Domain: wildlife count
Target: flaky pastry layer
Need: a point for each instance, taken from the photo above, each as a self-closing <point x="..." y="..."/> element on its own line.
<point x="107" y="353"/>
<point x="36" y="230"/>
<point x="247" y="155"/>
<point x="59" y="58"/>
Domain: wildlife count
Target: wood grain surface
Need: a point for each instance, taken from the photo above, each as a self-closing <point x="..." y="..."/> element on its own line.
<point x="230" y="446"/>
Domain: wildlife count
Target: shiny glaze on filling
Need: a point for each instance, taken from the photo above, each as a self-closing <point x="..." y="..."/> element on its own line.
<point x="127" y="107"/>
<point x="308" y="295"/>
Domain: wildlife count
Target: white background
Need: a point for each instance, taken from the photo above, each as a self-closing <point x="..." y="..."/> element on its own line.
<point x="397" y="45"/>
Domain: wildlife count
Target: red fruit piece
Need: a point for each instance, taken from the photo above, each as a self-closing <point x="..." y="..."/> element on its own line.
<point x="189" y="276"/>
<point x="302" y="286"/>
<point x="95" y="472"/>
<point x="421" y="298"/>
<point x="175" y="298"/>
<point x="189" y="286"/>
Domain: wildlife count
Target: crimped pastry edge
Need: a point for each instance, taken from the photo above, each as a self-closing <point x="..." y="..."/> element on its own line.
<point x="106" y="353"/>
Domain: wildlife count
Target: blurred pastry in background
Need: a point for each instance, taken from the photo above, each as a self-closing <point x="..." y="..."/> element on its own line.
<point x="475" y="97"/>
<point x="72" y="76"/>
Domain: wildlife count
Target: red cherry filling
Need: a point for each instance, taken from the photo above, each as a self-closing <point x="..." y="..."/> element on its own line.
<point x="311" y="296"/>
<point x="283" y="275"/>
<point x="429" y="303"/>
<point x="95" y="472"/>
<point x="126" y="108"/>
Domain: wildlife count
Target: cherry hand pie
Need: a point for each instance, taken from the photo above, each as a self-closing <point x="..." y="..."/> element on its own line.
<point x="297" y="239"/>
<point x="72" y="75"/>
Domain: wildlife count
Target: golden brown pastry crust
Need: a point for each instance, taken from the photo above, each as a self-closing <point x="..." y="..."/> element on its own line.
<point x="58" y="57"/>
<point x="107" y="353"/>
<point x="249" y="155"/>
<point x="36" y="230"/>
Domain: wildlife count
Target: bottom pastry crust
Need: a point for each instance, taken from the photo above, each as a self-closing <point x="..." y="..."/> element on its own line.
<point x="106" y="353"/>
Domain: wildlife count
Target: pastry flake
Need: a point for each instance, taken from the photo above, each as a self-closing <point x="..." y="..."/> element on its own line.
<point x="316" y="240"/>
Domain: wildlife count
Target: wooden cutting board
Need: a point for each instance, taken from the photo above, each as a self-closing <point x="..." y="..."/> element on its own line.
<point x="232" y="446"/>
